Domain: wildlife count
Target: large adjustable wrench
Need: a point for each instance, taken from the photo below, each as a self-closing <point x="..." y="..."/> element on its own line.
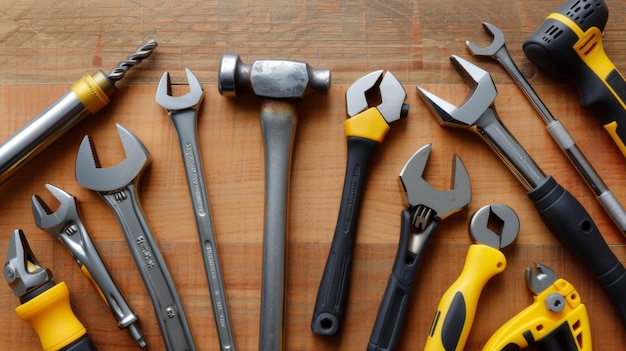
<point x="117" y="185"/>
<point x="183" y="112"/>
<point x="564" y="216"/>
<point x="426" y="207"/>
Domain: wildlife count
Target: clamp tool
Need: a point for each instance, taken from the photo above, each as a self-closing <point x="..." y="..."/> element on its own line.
<point x="66" y="225"/>
<point x="492" y="228"/>
<point x="183" y="112"/>
<point x="498" y="51"/>
<point x="117" y="185"/>
<point x="556" y="320"/>
<point x="562" y="213"/>
<point x="373" y="102"/>
<point x="426" y="207"/>
<point x="45" y="305"/>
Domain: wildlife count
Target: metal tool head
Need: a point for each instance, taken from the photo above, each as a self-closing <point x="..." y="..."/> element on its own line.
<point x="379" y="89"/>
<point x="496" y="44"/>
<point x="92" y="176"/>
<point x="419" y="192"/>
<point x="191" y="100"/>
<point x="55" y="222"/>
<point x="495" y="225"/>
<point x="540" y="281"/>
<point x="22" y="271"/>
<point x="480" y="99"/>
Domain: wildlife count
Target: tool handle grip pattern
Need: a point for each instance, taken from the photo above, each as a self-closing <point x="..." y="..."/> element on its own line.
<point x="333" y="290"/>
<point x="572" y="226"/>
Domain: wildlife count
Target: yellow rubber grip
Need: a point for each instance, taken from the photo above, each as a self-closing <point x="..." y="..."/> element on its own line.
<point x="51" y="315"/>
<point x="457" y="307"/>
<point x="369" y="124"/>
<point x="94" y="91"/>
<point x="612" y="129"/>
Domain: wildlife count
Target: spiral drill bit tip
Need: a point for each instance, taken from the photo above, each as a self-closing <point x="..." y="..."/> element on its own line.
<point x="133" y="59"/>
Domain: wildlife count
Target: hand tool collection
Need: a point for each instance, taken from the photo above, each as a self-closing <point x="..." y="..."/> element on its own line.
<point x="569" y="41"/>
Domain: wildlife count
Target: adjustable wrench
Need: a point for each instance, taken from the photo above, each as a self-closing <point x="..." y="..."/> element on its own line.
<point x="426" y="207"/>
<point x="564" y="216"/>
<point x="498" y="51"/>
<point x="66" y="225"/>
<point x="183" y="112"/>
<point x="457" y="307"/>
<point x="117" y="185"/>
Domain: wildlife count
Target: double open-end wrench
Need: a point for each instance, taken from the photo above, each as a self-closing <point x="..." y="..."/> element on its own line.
<point x="564" y="216"/>
<point x="66" y="225"/>
<point x="183" y="112"/>
<point x="492" y="228"/>
<point x="117" y="185"/>
<point x="366" y="129"/>
<point x="426" y="207"/>
<point x="498" y="51"/>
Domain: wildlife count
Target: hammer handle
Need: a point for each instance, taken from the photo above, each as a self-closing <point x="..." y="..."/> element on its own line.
<point x="333" y="289"/>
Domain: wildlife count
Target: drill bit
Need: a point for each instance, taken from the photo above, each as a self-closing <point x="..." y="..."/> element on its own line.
<point x="87" y="96"/>
<point x="133" y="60"/>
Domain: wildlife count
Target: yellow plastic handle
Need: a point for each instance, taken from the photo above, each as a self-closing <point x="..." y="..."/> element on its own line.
<point x="457" y="307"/>
<point x="51" y="315"/>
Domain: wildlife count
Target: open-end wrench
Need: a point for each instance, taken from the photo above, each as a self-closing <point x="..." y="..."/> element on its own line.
<point x="498" y="51"/>
<point x="564" y="216"/>
<point x="66" y="225"/>
<point x="117" y="185"/>
<point x="492" y="228"/>
<point x="183" y="112"/>
<point x="426" y="207"/>
<point x="366" y="129"/>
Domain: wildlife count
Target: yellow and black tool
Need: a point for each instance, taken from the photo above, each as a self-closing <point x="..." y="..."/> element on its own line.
<point x="492" y="228"/>
<point x="556" y="320"/>
<point x="45" y="305"/>
<point x="569" y="42"/>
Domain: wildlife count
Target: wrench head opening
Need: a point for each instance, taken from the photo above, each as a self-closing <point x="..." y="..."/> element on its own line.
<point x="496" y="44"/>
<point x="419" y="192"/>
<point x="191" y="100"/>
<point x="379" y="89"/>
<point x="481" y="97"/>
<point x="54" y="222"/>
<point x="495" y="225"/>
<point x="92" y="176"/>
<point x="540" y="281"/>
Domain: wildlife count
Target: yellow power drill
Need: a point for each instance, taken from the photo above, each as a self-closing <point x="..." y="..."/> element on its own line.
<point x="569" y="42"/>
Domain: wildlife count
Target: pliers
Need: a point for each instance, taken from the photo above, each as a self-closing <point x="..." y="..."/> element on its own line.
<point x="426" y="207"/>
<point x="556" y="320"/>
<point x="373" y="102"/>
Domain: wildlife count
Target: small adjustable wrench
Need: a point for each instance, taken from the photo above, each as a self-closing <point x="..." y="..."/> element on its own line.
<point x="183" y="112"/>
<point x="117" y="185"/>
<point x="366" y="129"/>
<point x="66" y="225"/>
<point x="426" y="207"/>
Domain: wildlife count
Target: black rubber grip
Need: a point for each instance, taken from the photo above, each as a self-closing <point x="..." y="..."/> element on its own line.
<point x="84" y="343"/>
<point x="570" y="223"/>
<point x="333" y="290"/>
<point x="394" y="305"/>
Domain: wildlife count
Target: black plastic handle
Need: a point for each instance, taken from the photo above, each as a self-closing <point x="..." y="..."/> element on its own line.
<point x="333" y="290"/>
<point x="570" y="223"/>
<point x="84" y="343"/>
<point x="394" y="305"/>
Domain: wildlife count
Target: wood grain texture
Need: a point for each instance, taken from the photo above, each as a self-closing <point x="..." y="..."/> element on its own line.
<point x="46" y="45"/>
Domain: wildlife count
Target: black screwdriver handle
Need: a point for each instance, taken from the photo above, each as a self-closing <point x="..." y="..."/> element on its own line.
<point x="84" y="343"/>
<point x="333" y="289"/>
<point x="394" y="305"/>
<point x="570" y="223"/>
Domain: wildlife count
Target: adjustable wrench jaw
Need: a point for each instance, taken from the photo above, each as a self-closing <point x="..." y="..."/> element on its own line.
<point x="56" y="222"/>
<point x="189" y="101"/>
<point x="91" y="175"/>
<point x="381" y="90"/>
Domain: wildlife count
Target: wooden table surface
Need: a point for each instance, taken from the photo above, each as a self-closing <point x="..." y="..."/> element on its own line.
<point x="47" y="45"/>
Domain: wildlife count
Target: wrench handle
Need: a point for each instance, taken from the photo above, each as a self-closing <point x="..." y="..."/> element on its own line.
<point x="156" y="277"/>
<point x="333" y="290"/>
<point x="570" y="223"/>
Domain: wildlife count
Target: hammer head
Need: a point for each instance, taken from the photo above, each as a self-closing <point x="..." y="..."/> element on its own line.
<point x="278" y="79"/>
<point x="480" y="99"/>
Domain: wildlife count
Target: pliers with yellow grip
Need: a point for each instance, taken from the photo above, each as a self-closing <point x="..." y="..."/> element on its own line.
<point x="556" y="320"/>
<point x="373" y="102"/>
